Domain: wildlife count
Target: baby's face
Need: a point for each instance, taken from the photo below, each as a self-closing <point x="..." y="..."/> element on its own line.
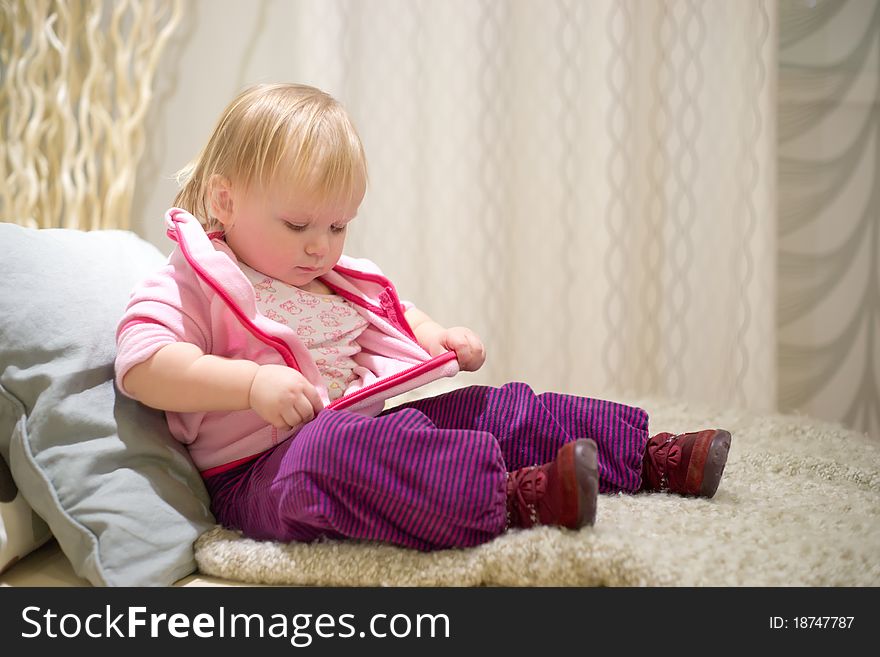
<point x="290" y="237"/>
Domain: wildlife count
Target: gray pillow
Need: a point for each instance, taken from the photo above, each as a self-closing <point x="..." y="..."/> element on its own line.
<point x="119" y="494"/>
<point x="21" y="530"/>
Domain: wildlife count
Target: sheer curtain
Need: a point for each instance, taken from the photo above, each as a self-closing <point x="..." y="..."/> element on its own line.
<point x="829" y="211"/>
<point x="588" y="184"/>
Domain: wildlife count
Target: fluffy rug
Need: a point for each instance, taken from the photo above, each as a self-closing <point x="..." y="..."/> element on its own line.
<point x="799" y="505"/>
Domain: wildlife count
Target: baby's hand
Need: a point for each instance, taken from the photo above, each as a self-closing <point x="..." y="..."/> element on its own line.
<point x="283" y="397"/>
<point x="466" y="344"/>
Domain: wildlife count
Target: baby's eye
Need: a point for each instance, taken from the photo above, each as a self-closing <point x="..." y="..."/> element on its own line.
<point x="338" y="229"/>
<point x="295" y="227"/>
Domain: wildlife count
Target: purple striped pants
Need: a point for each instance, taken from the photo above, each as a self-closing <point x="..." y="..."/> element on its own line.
<point x="427" y="475"/>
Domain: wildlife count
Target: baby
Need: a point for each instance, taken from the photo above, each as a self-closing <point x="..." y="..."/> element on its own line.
<point x="273" y="353"/>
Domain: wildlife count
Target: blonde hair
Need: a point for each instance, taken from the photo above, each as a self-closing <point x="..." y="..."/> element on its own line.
<point x="270" y="131"/>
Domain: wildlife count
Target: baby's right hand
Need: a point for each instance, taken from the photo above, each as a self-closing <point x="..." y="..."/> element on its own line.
<point x="283" y="397"/>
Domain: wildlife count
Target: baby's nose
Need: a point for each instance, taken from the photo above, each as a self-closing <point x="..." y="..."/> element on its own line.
<point x="317" y="246"/>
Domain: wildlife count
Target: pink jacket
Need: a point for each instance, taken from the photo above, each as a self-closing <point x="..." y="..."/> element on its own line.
<point x="202" y="297"/>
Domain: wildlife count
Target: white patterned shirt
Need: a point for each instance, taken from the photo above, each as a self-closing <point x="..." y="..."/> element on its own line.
<point x="326" y="324"/>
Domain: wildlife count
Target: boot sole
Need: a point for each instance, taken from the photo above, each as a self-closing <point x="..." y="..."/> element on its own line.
<point x="587" y="471"/>
<point x="716" y="459"/>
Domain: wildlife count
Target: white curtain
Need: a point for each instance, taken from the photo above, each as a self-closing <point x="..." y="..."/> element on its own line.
<point x="829" y="211"/>
<point x="588" y="184"/>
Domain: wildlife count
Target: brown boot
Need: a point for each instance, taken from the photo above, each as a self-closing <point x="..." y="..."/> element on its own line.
<point x="687" y="463"/>
<point x="562" y="492"/>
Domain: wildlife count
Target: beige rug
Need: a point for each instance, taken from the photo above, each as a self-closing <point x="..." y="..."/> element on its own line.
<point x="799" y="505"/>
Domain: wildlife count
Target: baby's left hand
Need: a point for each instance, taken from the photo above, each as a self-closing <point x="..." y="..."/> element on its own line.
<point x="466" y="344"/>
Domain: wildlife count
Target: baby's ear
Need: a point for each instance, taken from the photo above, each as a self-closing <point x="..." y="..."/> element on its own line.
<point x="220" y="199"/>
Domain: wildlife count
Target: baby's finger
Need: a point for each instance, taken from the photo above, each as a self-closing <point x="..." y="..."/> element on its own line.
<point x="458" y="342"/>
<point x="476" y="355"/>
<point x="314" y="399"/>
<point x="437" y="349"/>
<point x="292" y="417"/>
<point x="303" y="406"/>
<point x="473" y="342"/>
<point x="280" y="423"/>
